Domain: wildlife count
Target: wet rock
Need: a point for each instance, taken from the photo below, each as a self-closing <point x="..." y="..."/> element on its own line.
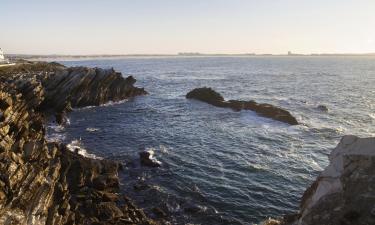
<point x="147" y="160"/>
<point x="210" y="96"/>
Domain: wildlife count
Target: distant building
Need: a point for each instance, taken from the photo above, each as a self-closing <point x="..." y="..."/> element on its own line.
<point x="290" y="53"/>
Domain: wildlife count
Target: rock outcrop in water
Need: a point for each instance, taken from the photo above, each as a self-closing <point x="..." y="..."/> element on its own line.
<point x="45" y="183"/>
<point x="344" y="193"/>
<point x="210" y="96"/>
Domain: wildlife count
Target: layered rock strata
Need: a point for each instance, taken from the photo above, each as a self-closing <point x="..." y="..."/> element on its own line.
<point x="344" y="193"/>
<point x="45" y="183"/>
<point x="210" y="96"/>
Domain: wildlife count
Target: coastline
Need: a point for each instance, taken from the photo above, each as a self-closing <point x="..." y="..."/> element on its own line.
<point x="43" y="182"/>
<point x="33" y="93"/>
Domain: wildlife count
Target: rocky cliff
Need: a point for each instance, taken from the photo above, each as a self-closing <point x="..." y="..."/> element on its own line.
<point x="44" y="183"/>
<point x="344" y="193"/>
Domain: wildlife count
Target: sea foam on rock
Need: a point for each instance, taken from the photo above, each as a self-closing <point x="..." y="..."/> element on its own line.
<point x="46" y="183"/>
<point x="210" y="96"/>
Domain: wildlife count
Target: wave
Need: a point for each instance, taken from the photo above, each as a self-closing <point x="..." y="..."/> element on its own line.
<point x="77" y="146"/>
<point x="57" y="134"/>
<point x="110" y="103"/>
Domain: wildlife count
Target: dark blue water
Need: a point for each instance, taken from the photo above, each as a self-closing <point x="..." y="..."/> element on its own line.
<point x="220" y="166"/>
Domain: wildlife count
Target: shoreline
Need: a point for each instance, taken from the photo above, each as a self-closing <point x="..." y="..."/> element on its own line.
<point x="43" y="182"/>
<point x="67" y="181"/>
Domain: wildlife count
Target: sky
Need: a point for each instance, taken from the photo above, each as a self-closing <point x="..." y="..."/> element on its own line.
<point x="172" y="26"/>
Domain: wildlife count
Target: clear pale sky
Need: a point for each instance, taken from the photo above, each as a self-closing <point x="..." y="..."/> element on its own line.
<point x="171" y="26"/>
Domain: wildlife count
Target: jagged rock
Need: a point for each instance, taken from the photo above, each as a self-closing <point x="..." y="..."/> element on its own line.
<point x="82" y="86"/>
<point x="210" y="96"/>
<point x="344" y="192"/>
<point x="45" y="183"/>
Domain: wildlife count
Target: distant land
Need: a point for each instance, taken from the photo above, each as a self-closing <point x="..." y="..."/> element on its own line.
<point x="181" y="54"/>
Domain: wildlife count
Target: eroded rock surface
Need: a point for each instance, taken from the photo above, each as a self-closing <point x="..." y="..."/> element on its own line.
<point x="44" y="183"/>
<point x="210" y="96"/>
<point x="344" y="193"/>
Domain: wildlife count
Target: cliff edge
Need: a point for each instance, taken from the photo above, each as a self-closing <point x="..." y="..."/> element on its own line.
<point x="344" y="193"/>
<point x="45" y="183"/>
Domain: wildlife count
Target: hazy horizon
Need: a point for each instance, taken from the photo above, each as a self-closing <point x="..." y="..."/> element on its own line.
<point x="170" y="27"/>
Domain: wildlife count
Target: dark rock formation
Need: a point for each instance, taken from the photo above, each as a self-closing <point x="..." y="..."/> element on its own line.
<point x="147" y="160"/>
<point x="210" y="96"/>
<point x="44" y="183"/>
<point x="82" y="86"/>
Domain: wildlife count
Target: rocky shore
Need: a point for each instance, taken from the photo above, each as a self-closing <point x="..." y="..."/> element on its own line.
<point x="344" y="193"/>
<point x="210" y="96"/>
<point x="45" y="183"/>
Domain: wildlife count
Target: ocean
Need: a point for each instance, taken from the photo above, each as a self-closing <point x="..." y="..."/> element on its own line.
<point x="220" y="166"/>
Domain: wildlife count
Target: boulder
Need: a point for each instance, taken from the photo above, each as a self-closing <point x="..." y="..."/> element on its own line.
<point x="210" y="96"/>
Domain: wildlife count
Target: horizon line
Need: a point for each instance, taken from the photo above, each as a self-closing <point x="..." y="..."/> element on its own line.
<point x="188" y="54"/>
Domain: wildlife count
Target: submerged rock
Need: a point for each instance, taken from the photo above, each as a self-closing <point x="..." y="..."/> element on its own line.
<point x="210" y="96"/>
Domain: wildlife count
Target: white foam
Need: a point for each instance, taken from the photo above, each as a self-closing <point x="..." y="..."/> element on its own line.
<point x="110" y="103"/>
<point x="152" y="153"/>
<point x="163" y="149"/>
<point x="57" y="135"/>
<point x="92" y="129"/>
<point x="76" y="145"/>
